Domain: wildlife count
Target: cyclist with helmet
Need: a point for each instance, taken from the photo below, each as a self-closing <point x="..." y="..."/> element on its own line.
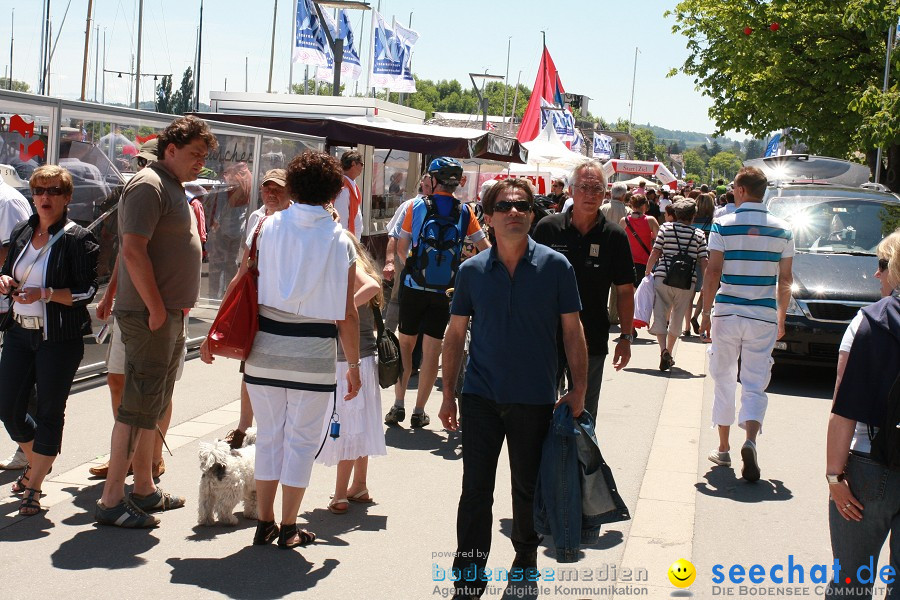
<point x="430" y="248"/>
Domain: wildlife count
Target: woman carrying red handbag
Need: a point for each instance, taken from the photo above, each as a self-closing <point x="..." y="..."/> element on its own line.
<point x="307" y="270"/>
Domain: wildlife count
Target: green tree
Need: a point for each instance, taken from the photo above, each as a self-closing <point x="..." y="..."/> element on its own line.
<point x="693" y="162"/>
<point x="754" y="149"/>
<point x="725" y="165"/>
<point x="819" y="71"/>
<point x="164" y="96"/>
<point x="183" y="98"/>
<point x="17" y="86"/>
<point x="644" y="143"/>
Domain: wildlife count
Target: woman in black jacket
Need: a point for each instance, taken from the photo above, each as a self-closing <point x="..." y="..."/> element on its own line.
<point x="51" y="272"/>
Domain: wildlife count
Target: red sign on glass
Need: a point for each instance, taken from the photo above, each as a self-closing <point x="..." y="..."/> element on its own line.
<point x="26" y="129"/>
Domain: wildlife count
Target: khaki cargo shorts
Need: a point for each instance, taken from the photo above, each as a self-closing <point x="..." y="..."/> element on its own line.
<point x="151" y="364"/>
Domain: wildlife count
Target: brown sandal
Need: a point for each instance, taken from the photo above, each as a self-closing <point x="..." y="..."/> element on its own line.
<point x="30" y="505"/>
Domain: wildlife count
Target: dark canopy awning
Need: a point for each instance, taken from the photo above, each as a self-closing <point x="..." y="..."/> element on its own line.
<point x="435" y="140"/>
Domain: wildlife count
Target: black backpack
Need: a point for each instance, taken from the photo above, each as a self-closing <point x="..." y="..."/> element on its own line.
<point x="886" y="442"/>
<point x="680" y="268"/>
<point x="436" y="256"/>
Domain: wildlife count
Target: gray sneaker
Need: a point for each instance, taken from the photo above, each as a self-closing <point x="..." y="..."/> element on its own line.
<point x="395" y="416"/>
<point x="723" y="459"/>
<point x="16" y="460"/>
<point x="158" y="501"/>
<point x="124" y="514"/>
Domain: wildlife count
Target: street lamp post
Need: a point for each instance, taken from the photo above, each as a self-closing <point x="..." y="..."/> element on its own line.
<point x="336" y="45"/>
<point x="482" y="101"/>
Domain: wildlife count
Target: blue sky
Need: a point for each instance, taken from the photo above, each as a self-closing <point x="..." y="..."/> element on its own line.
<point x="593" y="44"/>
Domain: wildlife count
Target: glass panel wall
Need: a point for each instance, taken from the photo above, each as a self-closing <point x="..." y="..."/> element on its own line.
<point x="390" y="170"/>
<point x="99" y="146"/>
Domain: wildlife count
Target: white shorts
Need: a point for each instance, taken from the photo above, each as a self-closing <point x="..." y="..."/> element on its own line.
<point x="115" y="353"/>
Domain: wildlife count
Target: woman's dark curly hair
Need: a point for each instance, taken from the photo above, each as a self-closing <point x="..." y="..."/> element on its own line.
<point x="314" y="178"/>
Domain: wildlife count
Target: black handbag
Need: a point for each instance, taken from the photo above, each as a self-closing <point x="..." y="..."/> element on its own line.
<point x="390" y="366"/>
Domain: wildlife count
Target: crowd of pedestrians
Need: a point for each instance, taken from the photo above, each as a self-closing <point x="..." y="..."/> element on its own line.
<point x="461" y="278"/>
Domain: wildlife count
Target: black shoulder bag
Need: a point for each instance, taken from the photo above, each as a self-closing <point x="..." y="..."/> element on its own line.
<point x="390" y="366"/>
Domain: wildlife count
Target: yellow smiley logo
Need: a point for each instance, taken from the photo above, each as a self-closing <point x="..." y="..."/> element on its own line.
<point x="682" y="573"/>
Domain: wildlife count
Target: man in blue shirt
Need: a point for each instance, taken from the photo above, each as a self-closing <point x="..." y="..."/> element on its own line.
<point x="518" y="293"/>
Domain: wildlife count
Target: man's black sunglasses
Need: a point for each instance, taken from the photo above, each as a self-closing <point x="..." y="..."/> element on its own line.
<point x="504" y="206"/>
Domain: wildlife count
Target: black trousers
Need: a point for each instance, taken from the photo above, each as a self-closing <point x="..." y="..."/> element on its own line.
<point x="484" y="425"/>
<point x="27" y="359"/>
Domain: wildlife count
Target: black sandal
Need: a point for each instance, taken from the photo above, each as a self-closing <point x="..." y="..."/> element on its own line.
<point x="20" y="485"/>
<point x="30" y="505"/>
<point x="266" y="532"/>
<point x="288" y="532"/>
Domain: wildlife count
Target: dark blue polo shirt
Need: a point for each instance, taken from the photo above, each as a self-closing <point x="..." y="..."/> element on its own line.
<point x="512" y="353"/>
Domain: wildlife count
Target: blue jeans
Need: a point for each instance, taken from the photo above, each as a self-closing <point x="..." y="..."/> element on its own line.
<point x="484" y="425"/>
<point x="855" y="543"/>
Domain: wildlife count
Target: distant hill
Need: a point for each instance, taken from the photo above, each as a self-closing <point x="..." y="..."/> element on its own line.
<point x="688" y="138"/>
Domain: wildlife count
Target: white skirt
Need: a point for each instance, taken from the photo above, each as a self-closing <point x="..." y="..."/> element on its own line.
<point x="362" y="433"/>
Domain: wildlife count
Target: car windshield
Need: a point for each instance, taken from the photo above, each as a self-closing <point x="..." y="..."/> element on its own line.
<point x="837" y="225"/>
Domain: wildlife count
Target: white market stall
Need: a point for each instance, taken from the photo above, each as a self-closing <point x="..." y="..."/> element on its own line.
<point x="548" y="157"/>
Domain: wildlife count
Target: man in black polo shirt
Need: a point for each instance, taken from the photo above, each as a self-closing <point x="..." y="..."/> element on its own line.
<point x="601" y="256"/>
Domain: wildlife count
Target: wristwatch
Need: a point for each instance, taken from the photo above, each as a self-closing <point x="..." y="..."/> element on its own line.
<point x="353" y="365"/>
<point x="834" y="479"/>
<point x="627" y="337"/>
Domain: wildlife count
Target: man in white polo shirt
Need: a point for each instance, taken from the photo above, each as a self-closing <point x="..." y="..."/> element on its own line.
<point x="750" y="253"/>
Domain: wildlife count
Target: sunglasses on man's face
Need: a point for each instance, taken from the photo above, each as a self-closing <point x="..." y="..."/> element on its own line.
<point x="50" y="191"/>
<point x="504" y="206"/>
<point x="882" y="264"/>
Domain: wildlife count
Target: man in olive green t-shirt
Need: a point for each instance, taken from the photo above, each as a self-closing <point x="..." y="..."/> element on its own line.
<point x="158" y="282"/>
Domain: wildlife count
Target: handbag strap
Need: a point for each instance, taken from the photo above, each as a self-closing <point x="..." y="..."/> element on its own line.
<point x="635" y="234"/>
<point x="46" y="248"/>
<point x="252" y="263"/>
<point x="379" y="322"/>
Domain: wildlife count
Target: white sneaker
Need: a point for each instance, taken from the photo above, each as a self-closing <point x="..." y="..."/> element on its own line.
<point x="15" y="461"/>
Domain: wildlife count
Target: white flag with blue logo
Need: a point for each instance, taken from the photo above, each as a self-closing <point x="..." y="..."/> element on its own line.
<point x="387" y="63"/>
<point x="351" y="68"/>
<point x="310" y="43"/>
<point x="602" y="146"/>
<point x="407" y="39"/>
<point x="578" y="143"/>
<point x="772" y="147"/>
<point x="562" y="118"/>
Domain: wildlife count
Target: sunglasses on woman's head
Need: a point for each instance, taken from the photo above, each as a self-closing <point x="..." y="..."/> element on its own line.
<point x="882" y="264"/>
<point x="504" y="206"/>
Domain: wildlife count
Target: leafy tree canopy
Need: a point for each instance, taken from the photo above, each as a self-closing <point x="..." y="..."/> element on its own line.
<point x="17" y="86"/>
<point x="813" y="65"/>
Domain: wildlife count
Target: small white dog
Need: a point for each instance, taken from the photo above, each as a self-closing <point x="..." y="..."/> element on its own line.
<point x="227" y="478"/>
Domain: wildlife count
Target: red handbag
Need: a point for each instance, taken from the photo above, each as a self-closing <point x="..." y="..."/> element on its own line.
<point x="237" y="322"/>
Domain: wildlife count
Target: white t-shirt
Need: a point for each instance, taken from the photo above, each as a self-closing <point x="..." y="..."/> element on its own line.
<point x="724" y="210"/>
<point x="14" y="208"/>
<point x="860" y="441"/>
<point x="35" y="278"/>
<point x="342" y="206"/>
<point x="396" y="222"/>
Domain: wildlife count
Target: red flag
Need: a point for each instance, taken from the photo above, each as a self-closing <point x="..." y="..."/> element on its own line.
<point x="546" y="86"/>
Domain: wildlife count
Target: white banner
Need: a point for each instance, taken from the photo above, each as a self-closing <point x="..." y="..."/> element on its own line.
<point x="602" y="147"/>
<point x="387" y="63"/>
<point x="351" y="68"/>
<point x="408" y="39"/>
<point x="310" y="43"/>
<point x="563" y="120"/>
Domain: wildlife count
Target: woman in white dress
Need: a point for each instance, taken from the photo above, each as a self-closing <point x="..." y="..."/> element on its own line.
<point x="362" y="434"/>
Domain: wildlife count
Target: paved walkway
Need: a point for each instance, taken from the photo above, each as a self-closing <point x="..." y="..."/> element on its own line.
<point x="653" y="429"/>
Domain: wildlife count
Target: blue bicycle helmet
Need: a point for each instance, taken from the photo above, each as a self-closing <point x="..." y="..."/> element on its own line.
<point x="446" y="170"/>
